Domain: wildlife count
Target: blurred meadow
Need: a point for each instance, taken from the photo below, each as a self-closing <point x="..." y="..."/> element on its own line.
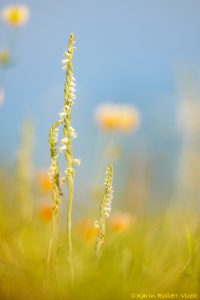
<point x="100" y="149"/>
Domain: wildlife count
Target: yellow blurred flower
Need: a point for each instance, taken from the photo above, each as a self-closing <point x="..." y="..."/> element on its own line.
<point x="117" y="117"/>
<point x="15" y="15"/>
<point x="87" y="230"/>
<point x="45" y="213"/>
<point x="43" y="182"/>
<point x="121" y="222"/>
<point x="2" y="96"/>
<point x="4" y="57"/>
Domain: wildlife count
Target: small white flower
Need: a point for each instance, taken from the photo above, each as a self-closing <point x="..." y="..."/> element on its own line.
<point x="73" y="134"/>
<point x="69" y="54"/>
<point x="68" y="171"/>
<point x="65" y="61"/>
<point x="64" y="141"/>
<point x="96" y="224"/>
<point x="77" y="161"/>
<point x="62" y="114"/>
<point x="72" y="84"/>
<point x="62" y="148"/>
<point x="50" y="175"/>
<point x="51" y="172"/>
<point x="63" y="179"/>
<point x="107" y="215"/>
<point x="55" y="137"/>
<point x="72" y="89"/>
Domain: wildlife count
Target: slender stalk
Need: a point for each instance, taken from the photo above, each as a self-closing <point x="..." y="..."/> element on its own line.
<point x="69" y="222"/>
<point x="55" y="179"/>
<point x="69" y="134"/>
<point x="105" y="208"/>
<point x="66" y="146"/>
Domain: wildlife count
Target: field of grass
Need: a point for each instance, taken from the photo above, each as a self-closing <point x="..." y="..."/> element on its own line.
<point x="154" y="255"/>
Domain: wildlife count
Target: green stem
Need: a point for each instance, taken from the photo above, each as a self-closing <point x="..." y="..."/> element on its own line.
<point x="50" y="244"/>
<point x="69" y="221"/>
<point x="70" y="183"/>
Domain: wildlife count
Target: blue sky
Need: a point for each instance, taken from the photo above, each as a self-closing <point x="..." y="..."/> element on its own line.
<point x="127" y="51"/>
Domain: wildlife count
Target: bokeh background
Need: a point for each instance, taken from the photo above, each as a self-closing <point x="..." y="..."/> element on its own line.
<point x="138" y="52"/>
<point x="143" y="58"/>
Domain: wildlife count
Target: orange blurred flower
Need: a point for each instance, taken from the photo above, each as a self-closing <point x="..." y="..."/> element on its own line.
<point x="44" y="182"/>
<point x="87" y="230"/>
<point x="120" y="222"/>
<point x="117" y="117"/>
<point x="45" y="213"/>
<point x="15" y="15"/>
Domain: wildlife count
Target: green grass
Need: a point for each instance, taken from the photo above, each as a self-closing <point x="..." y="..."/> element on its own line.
<point x="156" y="255"/>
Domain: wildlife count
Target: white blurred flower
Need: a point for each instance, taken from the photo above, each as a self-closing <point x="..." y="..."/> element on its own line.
<point x="2" y="96"/>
